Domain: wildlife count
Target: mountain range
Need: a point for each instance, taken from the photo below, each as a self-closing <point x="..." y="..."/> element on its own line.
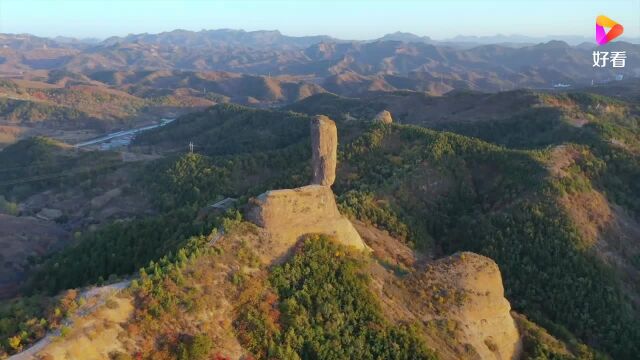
<point x="395" y="61"/>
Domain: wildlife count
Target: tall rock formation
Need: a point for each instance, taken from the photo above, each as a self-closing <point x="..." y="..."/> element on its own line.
<point x="324" y="147"/>
<point x="288" y="214"/>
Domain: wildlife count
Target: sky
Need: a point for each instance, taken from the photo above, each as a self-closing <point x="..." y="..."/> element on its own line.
<point x="355" y="19"/>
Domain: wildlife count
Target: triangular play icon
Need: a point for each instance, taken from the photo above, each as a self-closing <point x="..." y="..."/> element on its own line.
<point x="615" y="30"/>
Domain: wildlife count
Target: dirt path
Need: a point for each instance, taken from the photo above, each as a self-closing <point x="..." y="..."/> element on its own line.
<point x="95" y="296"/>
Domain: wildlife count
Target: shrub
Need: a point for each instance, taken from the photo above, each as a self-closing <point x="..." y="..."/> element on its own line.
<point x="195" y="348"/>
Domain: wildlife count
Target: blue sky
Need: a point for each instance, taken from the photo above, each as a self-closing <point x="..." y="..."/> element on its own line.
<point x="356" y="19"/>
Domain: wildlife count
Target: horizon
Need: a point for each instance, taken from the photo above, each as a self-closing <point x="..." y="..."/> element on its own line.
<point x="441" y="22"/>
<point x="494" y="39"/>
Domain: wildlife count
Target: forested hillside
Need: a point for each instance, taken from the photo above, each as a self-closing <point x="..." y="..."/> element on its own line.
<point x="39" y="163"/>
<point x="502" y="191"/>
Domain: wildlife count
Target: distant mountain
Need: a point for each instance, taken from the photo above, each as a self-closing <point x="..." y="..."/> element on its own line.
<point x="26" y="42"/>
<point x="221" y="37"/>
<point x="214" y="86"/>
<point x="405" y="37"/>
<point x="398" y="61"/>
<point x="110" y="99"/>
<point x="72" y="40"/>
<point x="523" y="39"/>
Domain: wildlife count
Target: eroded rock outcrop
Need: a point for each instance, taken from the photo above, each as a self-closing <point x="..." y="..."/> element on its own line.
<point x="467" y="287"/>
<point x="384" y="117"/>
<point x="324" y="147"/>
<point x="288" y="214"/>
